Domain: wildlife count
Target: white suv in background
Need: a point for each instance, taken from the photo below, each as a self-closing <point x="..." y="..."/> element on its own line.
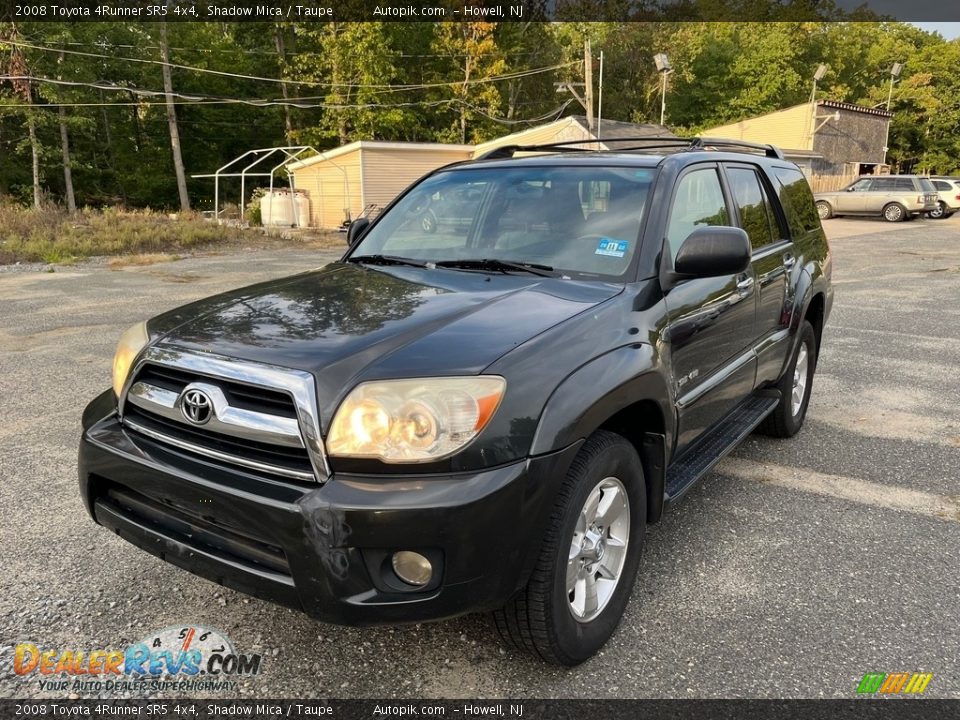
<point x="948" y="190"/>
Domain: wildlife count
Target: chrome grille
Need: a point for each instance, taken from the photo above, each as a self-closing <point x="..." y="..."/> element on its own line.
<point x="258" y="417"/>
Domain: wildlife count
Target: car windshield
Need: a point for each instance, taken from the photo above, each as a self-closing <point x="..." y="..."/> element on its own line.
<point x="581" y="222"/>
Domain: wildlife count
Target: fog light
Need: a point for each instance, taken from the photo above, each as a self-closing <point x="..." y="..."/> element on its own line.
<point x="411" y="567"/>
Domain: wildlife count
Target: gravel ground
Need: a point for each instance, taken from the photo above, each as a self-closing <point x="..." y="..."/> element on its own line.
<point x="790" y="571"/>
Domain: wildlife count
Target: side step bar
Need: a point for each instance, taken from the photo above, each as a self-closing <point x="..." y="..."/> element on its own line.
<point x="698" y="460"/>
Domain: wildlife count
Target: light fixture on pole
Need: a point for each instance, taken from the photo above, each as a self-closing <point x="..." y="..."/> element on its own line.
<point x="664" y="68"/>
<point x="817" y="77"/>
<point x="895" y="71"/>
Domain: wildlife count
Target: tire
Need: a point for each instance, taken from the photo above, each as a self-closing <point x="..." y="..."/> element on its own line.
<point x="787" y="418"/>
<point x="429" y="222"/>
<point x="940" y="213"/>
<point x="894" y="212"/>
<point x="824" y="210"/>
<point x="540" y="618"/>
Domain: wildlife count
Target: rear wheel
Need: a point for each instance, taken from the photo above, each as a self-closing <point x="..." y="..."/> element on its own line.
<point x="588" y="563"/>
<point x="429" y="222"/>
<point x="894" y="212"/>
<point x="824" y="210"/>
<point x="795" y="386"/>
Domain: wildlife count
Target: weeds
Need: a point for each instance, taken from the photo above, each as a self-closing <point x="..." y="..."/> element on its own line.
<point x="51" y="235"/>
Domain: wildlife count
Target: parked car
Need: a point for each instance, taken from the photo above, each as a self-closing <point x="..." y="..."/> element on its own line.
<point x="450" y="209"/>
<point x="948" y="190"/>
<point x="490" y="423"/>
<point x="893" y="197"/>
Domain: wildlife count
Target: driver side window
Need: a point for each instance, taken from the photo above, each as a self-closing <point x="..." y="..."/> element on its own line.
<point x="698" y="201"/>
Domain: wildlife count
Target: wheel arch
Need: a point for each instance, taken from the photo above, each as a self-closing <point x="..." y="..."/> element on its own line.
<point x="626" y="392"/>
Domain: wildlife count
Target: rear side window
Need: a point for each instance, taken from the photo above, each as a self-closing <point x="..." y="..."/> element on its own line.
<point x="941" y="185"/>
<point x="905" y="184"/>
<point x="756" y="214"/>
<point x="797" y="200"/>
<point x="698" y="201"/>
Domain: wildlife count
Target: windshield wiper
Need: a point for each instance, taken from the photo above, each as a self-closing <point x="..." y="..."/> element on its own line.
<point x="498" y="266"/>
<point x="385" y="260"/>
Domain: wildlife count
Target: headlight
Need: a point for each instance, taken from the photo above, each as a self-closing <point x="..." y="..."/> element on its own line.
<point x="413" y="420"/>
<point x="131" y="343"/>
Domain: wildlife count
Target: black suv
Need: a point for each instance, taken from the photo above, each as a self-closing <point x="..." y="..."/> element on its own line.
<point x="480" y="417"/>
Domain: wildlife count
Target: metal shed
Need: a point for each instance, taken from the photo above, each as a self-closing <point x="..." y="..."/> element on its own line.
<point x="362" y="177"/>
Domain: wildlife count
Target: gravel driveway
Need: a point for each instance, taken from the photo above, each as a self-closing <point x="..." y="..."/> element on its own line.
<point x="790" y="571"/>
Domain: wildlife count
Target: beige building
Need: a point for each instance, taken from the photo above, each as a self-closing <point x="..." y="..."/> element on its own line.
<point x="828" y="139"/>
<point x="344" y="181"/>
<point x="575" y="128"/>
<point x="364" y="176"/>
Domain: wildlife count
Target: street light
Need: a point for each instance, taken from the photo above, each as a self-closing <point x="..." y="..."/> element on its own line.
<point x="664" y="68"/>
<point x="817" y="77"/>
<point x="895" y="71"/>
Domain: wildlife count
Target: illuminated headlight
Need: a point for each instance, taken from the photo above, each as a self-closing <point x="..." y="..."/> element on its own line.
<point x="413" y="420"/>
<point x="131" y="343"/>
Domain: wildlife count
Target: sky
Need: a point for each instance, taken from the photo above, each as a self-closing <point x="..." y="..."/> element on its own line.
<point x="949" y="30"/>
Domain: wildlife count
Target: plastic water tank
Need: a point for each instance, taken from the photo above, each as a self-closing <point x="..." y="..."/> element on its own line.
<point x="282" y="208"/>
<point x="301" y="209"/>
<point x="276" y="209"/>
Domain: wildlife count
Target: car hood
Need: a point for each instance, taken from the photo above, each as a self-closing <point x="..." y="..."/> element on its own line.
<point x="346" y="322"/>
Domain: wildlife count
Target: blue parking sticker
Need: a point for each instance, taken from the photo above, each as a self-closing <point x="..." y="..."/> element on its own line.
<point x="611" y="247"/>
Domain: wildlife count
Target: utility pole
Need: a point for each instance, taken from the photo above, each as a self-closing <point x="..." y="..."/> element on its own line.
<point x="588" y="85"/>
<point x="895" y="71"/>
<point x="65" y="151"/>
<point x="600" y="100"/>
<point x="172" y="119"/>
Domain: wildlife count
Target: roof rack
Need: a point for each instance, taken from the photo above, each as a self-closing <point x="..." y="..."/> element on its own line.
<point x="649" y="144"/>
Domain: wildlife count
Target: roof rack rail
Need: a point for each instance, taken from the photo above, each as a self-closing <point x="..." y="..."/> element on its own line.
<point x="649" y="144"/>
<point x="702" y="143"/>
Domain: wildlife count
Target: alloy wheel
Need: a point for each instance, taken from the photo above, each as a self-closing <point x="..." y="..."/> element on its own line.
<point x="598" y="549"/>
<point x="799" y="381"/>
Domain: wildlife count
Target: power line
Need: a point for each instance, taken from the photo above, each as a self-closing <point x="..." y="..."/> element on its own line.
<point x="254" y="51"/>
<point x="355" y="86"/>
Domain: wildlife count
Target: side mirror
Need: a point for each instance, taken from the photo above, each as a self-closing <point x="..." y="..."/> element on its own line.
<point x="713" y="250"/>
<point x="356" y="229"/>
<point x="851" y="189"/>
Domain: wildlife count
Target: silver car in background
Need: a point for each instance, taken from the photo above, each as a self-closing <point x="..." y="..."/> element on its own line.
<point x="948" y="190"/>
<point x="893" y="197"/>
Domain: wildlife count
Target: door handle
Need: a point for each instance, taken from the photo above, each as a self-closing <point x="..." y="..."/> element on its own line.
<point x="745" y="285"/>
<point x="789" y="261"/>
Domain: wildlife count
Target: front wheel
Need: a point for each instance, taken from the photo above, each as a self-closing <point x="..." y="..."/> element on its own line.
<point x="824" y="210"/>
<point x="795" y="386"/>
<point x="938" y="213"/>
<point x="588" y="563"/>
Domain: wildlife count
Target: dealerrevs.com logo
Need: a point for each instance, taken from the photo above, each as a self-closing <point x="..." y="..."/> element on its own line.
<point x="188" y="659"/>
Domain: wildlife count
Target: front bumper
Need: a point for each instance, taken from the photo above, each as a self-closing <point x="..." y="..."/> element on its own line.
<point x="324" y="549"/>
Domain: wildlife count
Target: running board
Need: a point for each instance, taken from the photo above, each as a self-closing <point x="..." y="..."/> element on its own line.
<point x="710" y="449"/>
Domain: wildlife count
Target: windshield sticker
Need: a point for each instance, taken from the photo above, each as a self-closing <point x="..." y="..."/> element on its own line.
<point x="611" y="247"/>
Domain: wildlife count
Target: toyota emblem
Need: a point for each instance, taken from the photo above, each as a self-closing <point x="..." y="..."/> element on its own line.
<point x="196" y="406"/>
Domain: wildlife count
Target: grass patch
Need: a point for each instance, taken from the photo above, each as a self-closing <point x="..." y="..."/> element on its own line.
<point x="141" y="259"/>
<point x="51" y="235"/>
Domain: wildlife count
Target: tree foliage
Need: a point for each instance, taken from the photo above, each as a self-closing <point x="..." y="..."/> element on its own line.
<point x="440" y="82"/>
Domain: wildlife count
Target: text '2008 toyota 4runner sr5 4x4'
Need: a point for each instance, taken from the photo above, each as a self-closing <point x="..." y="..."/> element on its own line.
<point x="480" y="414"/>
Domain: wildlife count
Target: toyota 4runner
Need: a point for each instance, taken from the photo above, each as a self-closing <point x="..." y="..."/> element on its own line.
<point x="479" y="414"/>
